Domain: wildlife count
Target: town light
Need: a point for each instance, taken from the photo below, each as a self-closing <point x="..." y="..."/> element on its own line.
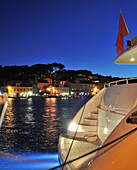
<point x="95" y="91"/>
<point x="48" y="89"/>
<point x="9" y="87"/>
<point x="82" y="93"/>
<point x="29" y="93"/>
<point x="53" y="89"/>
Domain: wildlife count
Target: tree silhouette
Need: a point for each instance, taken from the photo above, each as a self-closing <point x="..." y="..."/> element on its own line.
<point x="57" y="66"/>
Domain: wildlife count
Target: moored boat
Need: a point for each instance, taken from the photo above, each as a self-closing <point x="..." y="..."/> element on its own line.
<point x="106" y="124"/>
<point x="101" y="115"/>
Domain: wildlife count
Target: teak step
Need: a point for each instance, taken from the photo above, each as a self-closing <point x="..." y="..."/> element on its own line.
<point x="91" y="137"/>
<point x="94" y="112"/>
<point x="81" y="134"/>
<point x="86" y="127"/>
<point x="90" y="121"/>
<point x="90" y="118"/>
<point x="94" y="115"/>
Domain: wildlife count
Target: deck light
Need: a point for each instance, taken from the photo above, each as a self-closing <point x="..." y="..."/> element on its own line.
<point x="73" y="126"/>
<point x="106" y="130"/>
<point x="132" y="59"/>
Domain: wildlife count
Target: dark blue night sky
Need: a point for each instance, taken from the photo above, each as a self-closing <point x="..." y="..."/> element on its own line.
<point x="80" y="34"/>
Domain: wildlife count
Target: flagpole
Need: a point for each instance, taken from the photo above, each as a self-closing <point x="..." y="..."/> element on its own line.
<point x="126" y="26"/>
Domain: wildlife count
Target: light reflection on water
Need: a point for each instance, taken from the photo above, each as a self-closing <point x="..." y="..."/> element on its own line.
<point x="29" y="161"/>
<point x="33" y="125"/>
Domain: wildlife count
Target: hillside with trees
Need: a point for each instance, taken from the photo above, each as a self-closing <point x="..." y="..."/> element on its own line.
<point x="54" y="70"/>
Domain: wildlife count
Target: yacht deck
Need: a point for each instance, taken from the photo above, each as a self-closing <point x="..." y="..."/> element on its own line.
<point x="79" y="148"/>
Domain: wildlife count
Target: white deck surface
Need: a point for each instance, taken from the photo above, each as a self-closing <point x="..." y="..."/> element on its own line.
<point x="79" y="148"/>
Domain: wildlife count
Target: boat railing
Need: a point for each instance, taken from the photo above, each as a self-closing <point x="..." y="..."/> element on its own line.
<point x="123" y="81"/>
<point x="109" y="109"/>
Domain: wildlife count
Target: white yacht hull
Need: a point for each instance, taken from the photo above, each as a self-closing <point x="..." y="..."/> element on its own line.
<point x="102" y="114"/>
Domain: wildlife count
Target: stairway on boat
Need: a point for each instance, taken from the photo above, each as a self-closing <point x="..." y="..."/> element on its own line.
<point x="87" y="129"/>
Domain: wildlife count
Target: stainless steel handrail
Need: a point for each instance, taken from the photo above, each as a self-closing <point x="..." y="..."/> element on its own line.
<point x="114" y="110"/>
<point x="117" y="81"/>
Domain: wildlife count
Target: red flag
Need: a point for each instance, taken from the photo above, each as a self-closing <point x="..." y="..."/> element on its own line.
<point x="121" y="34"/>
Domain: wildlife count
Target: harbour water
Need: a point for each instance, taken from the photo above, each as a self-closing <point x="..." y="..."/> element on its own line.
<point x="31" y="129"/>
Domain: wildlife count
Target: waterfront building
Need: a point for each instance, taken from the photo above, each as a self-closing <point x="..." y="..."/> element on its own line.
<point x="42" y="85"/>
<point x="20" y="90"/>
<point x="58" y="90"/>
<point x="35" y="89"/>
<point x="80" y="87"/>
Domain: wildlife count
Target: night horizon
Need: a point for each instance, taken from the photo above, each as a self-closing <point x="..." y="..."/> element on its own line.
<point x="79" y="34"/>
<point x="60" y="70"/>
